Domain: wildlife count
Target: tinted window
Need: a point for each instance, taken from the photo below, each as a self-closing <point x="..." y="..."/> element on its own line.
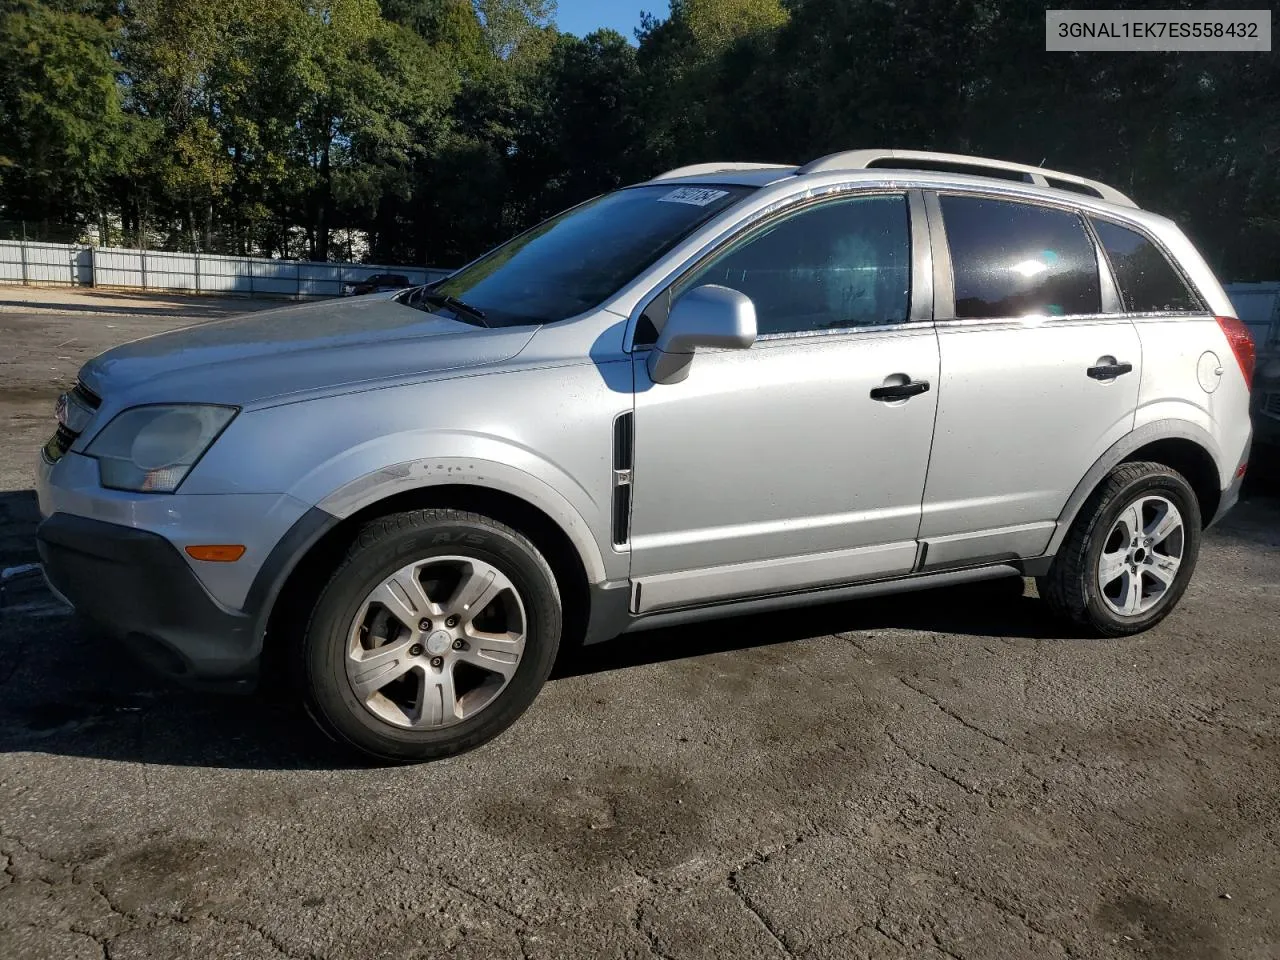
<point x="1015" y="260"/>
<point x="1147" y="282"/>
<point x="574" y="261"/>
<point x="846" y="263"/>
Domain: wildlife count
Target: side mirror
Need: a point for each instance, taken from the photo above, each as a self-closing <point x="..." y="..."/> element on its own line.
<point x="706" y="316"/>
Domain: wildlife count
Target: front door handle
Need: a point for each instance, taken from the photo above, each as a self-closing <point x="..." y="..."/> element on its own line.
<point x="1109" y="371"/>
<point x="900" y="391"/>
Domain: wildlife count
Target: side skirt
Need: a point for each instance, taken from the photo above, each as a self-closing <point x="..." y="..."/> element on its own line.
<point x="610" y="616"/>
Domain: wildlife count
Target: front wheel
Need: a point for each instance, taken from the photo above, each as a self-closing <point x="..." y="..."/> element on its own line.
<point x="1130" y="553"/>
<point x="432" y="637"/>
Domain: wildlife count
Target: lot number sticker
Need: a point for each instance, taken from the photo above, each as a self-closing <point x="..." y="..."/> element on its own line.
<point x="698" y="196"/>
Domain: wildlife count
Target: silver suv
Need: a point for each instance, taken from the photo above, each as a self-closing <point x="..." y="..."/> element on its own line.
<point x="731" y="388"/>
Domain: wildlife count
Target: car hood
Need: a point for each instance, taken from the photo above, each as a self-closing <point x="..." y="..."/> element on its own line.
<point x="298" y="349"/>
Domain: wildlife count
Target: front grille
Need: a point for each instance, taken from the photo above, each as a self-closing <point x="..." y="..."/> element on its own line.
<point x="59" y="444"/>
<point x="86" y="396"/>
<point x="83" y="399"/>
<point x="1271" y="403"/>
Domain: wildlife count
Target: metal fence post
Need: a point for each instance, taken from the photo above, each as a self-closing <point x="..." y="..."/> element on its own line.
<point x="143" y="258"/>
<point x="297" y="276"/>
<point x="93" y="266"/>
<point x="197" y="271"/>
<point x="250" y="263"/>
<point x="22" y="248"/>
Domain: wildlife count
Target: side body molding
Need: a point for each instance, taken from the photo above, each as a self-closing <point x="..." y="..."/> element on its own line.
<point x="1143" y="435"/>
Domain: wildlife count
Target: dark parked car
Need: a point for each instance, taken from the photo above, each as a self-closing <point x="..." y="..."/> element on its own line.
<point x="378" y="282"/>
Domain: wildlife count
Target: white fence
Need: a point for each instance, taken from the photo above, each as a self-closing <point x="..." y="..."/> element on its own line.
<point x="162" y="271"/>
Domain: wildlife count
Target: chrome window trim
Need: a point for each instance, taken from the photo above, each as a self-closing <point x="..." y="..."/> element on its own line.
<point x="906" y="326"/>
<point x="1033" y="320"/>
<point x="1170" y="315"/>
<point x="1076" y="318"/>
<point x="1062" y="206"/>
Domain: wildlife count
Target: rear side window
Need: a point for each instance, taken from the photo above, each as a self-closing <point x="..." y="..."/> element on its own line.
<point x="1147" y="282"/>
<point x="1017" y="259"/>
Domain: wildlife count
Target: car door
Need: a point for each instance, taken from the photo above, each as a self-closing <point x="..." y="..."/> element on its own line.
<point x="776" y="468"/>
<point x="1040" y="374"/>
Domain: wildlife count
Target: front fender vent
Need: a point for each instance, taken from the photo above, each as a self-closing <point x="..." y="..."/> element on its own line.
<point x="622" y="447"/>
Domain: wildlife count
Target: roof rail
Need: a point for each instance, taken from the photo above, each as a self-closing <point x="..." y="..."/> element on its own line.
<point x="864" y="159"/>
<point x="697" y="169"/>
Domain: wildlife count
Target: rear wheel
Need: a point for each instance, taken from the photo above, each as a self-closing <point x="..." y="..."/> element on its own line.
<point x="432" y="637"/>
<point x="1130" y="553"/>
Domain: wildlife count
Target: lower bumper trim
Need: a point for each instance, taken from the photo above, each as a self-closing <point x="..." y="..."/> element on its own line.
<point x="137" y="587"/>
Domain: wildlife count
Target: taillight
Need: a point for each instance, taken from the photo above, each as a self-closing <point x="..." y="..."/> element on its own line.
<point x="1241" y="340"/>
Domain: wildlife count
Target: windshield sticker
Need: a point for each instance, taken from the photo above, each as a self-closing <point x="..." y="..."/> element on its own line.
<point x="698" y="196"/>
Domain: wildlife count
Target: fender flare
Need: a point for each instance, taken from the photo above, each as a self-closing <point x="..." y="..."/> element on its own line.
<point x="364" y="491"/>
<point x="1121" y="450"/>
<point x="430" y="472"/>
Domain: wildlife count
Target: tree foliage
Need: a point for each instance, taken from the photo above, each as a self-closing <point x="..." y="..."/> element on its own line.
<point x="65" y="134"/>
<point x="435" y="128"/>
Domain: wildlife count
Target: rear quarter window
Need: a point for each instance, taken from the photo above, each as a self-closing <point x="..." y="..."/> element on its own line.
<point x="1147" y="281"/>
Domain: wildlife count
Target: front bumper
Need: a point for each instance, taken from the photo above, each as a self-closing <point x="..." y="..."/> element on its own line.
<point x="118" y="558"/>
<point x="136" y="586"/>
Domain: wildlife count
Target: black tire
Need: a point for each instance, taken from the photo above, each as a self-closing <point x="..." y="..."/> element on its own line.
<point x="1071" y="587"/>
<point x="383" y="546"/>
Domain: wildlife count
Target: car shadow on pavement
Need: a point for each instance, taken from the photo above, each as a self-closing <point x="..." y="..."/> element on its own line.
<point x="63" y="692"/>
<point x="991" y="608"/>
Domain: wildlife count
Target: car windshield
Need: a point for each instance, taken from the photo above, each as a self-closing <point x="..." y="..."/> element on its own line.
<point x="577" y="259"/>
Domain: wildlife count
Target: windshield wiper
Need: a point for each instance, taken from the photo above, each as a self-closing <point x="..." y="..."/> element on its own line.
<point x="453" y="303"/>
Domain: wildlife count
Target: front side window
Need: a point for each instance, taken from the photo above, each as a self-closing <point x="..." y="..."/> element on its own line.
<point x="580" y="258"/>
<point x="844" y="263"/>
<point x="1016" y="259"/>
<point x="1148" y="284"/>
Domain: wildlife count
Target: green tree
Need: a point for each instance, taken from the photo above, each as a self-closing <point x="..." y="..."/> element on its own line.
<point x="440" y="127"/>
<point x="190" y="69"/>
<point x="579" y="133"/>
<point x="64" y="132"/>
<point x="465" y="178"/>
<point x="714" y="24"/>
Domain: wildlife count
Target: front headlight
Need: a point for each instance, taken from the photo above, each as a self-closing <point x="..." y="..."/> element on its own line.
<point x="152" y="449"/>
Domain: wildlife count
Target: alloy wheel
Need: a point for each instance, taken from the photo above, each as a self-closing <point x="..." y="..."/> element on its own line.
<point x="1141" y="556"/>
<point x="436" y="642"/>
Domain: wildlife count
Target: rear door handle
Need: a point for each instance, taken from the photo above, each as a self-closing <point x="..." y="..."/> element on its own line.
<point x="900" y="391"/>
<point x="1109" y="371"/>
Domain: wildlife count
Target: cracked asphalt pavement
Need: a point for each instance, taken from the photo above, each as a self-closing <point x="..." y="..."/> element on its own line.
<point x="949" y="774"/>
